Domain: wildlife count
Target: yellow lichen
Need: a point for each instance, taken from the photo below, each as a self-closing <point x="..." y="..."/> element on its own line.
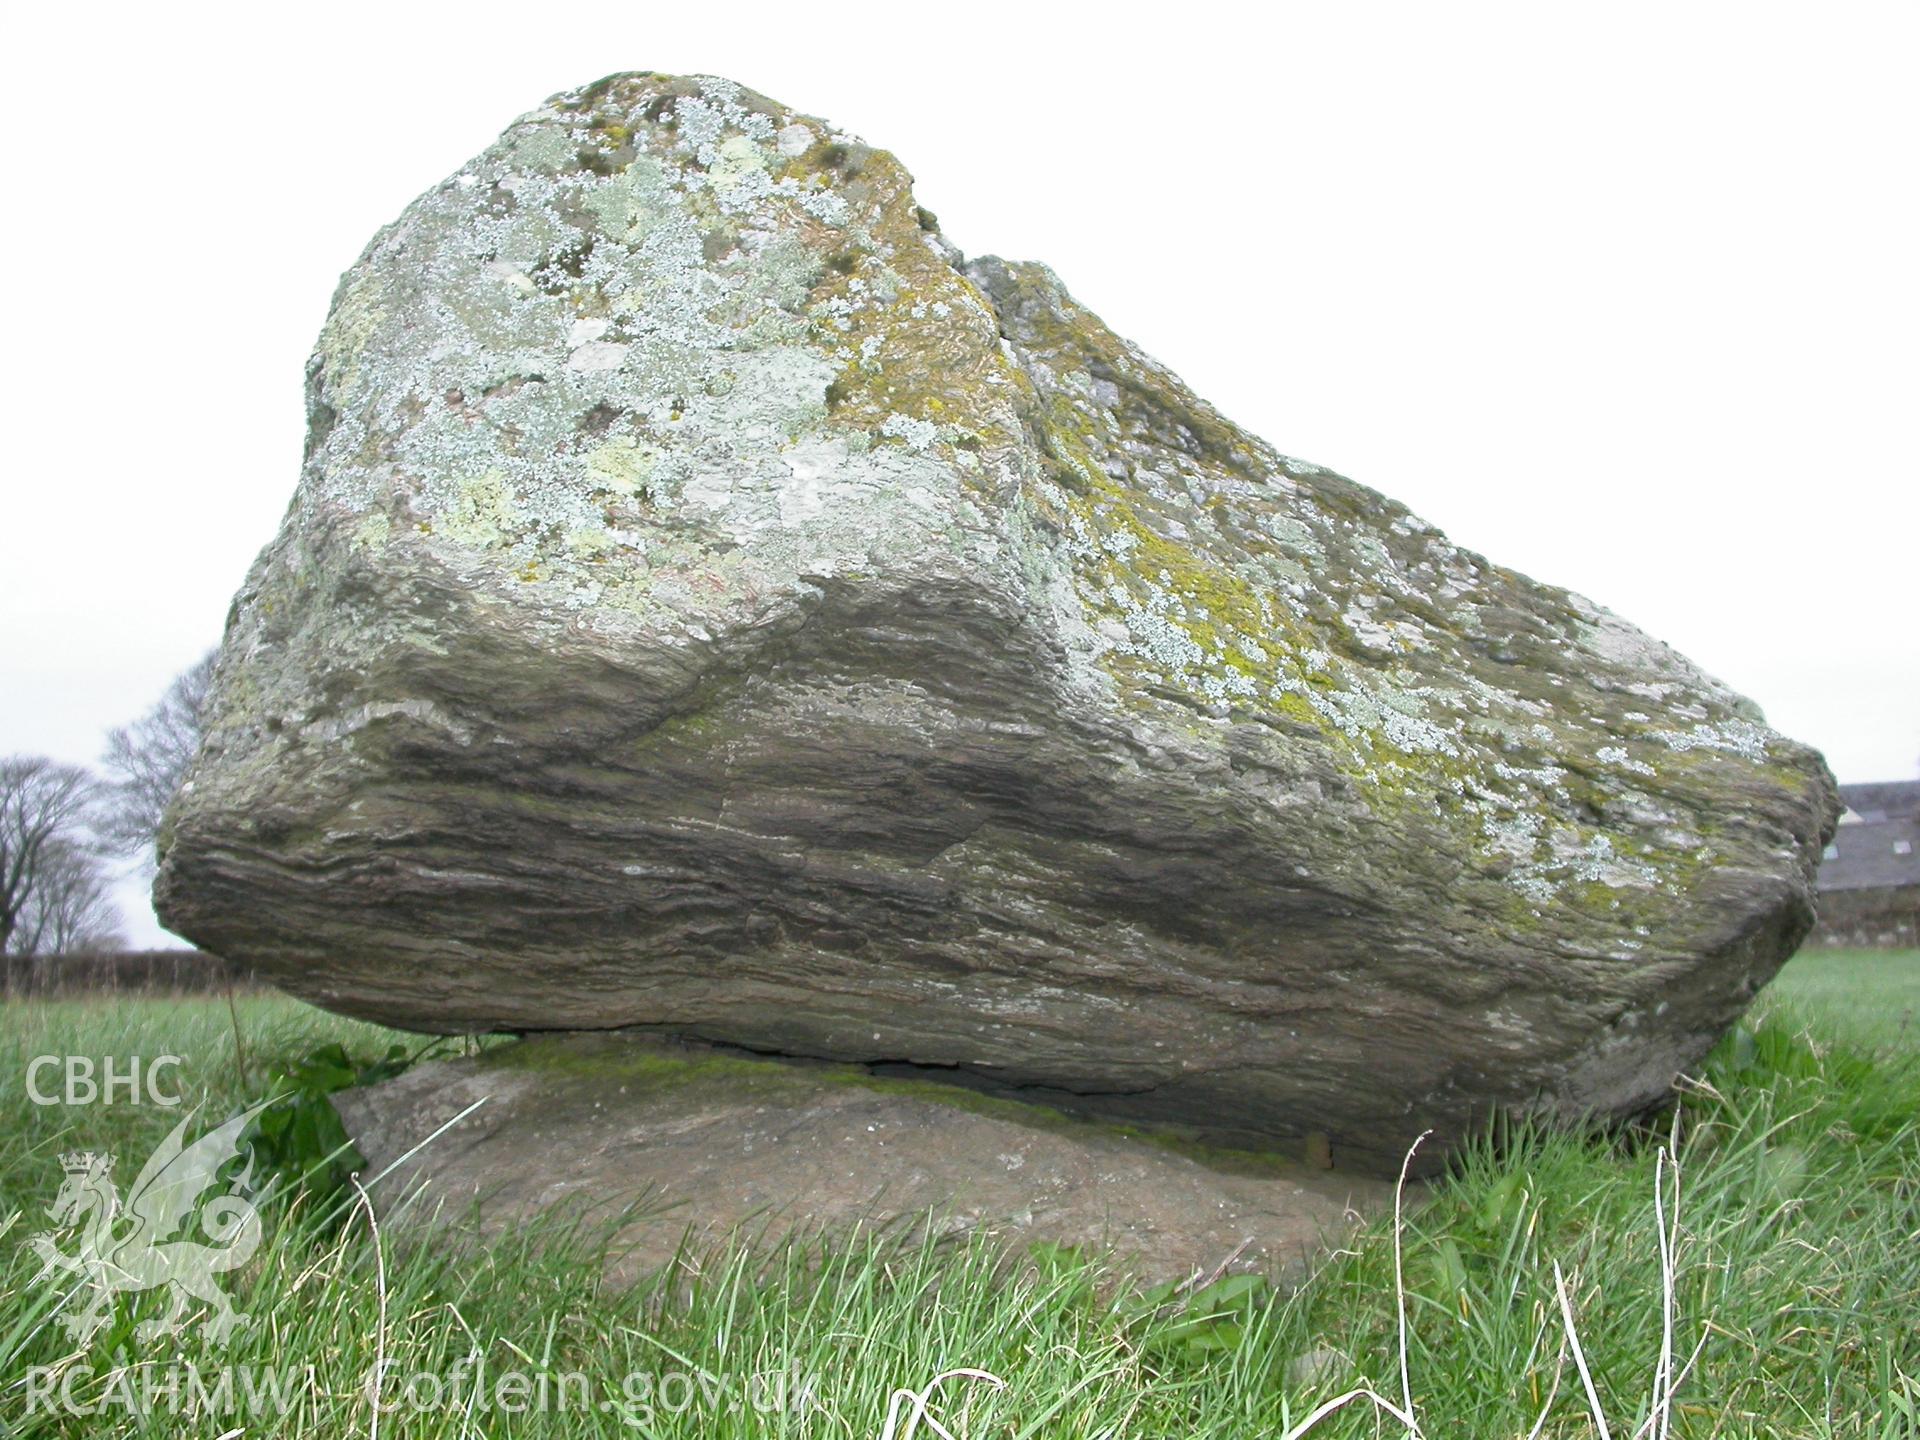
<point x="483" y="514"/>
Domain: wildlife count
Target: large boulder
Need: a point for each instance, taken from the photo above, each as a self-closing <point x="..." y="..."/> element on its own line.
<point x="712" y="604"/>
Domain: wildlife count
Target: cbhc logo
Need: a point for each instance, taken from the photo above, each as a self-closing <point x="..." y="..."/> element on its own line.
<point x="106" y="1083"/>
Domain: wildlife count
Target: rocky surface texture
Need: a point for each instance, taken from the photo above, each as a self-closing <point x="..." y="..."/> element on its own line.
<point x="712" y="604"/>
<point x="676" y="1146"/>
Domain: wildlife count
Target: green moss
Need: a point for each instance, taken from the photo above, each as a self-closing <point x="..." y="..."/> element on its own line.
<point x="1217" y="608"/>
<point x="922" y="370"/>
<point x="1294" y="708"/>
<point x="625" y="1061"/>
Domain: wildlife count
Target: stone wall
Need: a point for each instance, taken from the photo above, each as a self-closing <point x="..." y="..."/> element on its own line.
<point x="1883" y="919"/>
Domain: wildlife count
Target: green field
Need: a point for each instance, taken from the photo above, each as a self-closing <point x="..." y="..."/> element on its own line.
<point x="1795" y="1262"/>
<point x="1871" y="995"/>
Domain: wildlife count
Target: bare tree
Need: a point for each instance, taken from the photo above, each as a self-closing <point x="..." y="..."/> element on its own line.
<point x="53" y="889"/>
<point x="70" y="906"/>
<point x="147" y="760"/>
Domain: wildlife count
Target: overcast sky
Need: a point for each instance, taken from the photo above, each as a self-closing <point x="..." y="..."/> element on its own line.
<point x="1623" y="296"/>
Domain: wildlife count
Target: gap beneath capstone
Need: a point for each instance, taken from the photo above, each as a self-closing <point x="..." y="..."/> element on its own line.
<point x="689" y="1146"/>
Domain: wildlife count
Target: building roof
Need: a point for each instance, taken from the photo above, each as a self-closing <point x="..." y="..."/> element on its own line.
<point x="1873" y="855"/>
<point x="1883" y="800"/>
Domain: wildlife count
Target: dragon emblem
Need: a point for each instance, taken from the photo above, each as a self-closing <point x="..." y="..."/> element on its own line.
<point x="141" y="1244"/>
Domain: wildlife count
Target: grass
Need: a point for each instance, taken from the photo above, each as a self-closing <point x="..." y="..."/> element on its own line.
<point x="1873" y="996"/>
<point x="1795" y="1263"/>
